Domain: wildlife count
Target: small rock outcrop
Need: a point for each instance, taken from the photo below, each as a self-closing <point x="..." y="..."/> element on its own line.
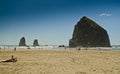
<point x="22" y="42"/>
<point x="87" y="33"/>
<point x="35" y="42"/>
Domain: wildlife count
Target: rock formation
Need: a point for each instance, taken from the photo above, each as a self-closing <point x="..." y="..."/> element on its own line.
<point x="22" y="42"/>
<point x="87" y="33"/>
<point x="35" y="42"/>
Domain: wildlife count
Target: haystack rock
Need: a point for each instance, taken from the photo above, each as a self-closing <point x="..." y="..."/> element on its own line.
<point x="35" y="43"/>
<point x="22" y="42"/>
<point x="88" y="33"/>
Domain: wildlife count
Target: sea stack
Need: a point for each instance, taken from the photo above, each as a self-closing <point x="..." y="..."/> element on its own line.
<point x="88" y="33"/>
<point x="35" y="42"/>
<point x="22" y="42"/>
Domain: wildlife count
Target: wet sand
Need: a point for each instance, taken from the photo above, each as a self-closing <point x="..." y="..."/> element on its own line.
<point x="61" y="62"/>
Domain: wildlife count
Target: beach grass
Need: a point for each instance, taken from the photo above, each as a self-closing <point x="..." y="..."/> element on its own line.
<point x="60" y="62"/>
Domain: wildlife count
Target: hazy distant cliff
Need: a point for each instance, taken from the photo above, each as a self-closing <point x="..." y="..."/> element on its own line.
<point x="87" y="33"/>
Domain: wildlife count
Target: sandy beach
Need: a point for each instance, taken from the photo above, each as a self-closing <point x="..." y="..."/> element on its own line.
<point x="61" y="62"/>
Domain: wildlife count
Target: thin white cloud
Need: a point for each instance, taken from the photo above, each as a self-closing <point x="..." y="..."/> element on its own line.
<point x="104" y="14"/>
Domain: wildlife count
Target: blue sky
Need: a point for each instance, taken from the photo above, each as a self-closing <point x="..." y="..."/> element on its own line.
<point x="52" y="21"/>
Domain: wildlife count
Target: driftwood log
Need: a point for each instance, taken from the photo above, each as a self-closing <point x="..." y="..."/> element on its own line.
<point x="10" y="60"/>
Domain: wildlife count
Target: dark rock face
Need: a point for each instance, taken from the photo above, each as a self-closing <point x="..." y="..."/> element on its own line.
<point x="35" y="43"/>
<point x="87" y="33"/>
<point x="22" y="42"/>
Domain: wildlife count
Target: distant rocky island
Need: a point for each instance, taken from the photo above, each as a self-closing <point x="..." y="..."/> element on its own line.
<point x="23" y="42"/>
<point x="35" y="43"/>
<point x="88" y="33"/>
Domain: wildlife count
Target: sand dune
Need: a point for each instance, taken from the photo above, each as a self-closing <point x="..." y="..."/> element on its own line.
<point x="61" y="62"/>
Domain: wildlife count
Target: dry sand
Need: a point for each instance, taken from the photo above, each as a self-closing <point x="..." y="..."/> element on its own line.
<point x="61" y="62"/>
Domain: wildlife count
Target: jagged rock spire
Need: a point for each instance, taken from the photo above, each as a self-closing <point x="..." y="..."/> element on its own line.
<point x="22" y="42"/>
<point x="35" y="42"/>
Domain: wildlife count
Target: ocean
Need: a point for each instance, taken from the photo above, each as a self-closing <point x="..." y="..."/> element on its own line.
<point x="56" y="47"/>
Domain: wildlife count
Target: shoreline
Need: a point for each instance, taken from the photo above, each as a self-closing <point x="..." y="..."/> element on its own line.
<point x="62" y="48"/>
